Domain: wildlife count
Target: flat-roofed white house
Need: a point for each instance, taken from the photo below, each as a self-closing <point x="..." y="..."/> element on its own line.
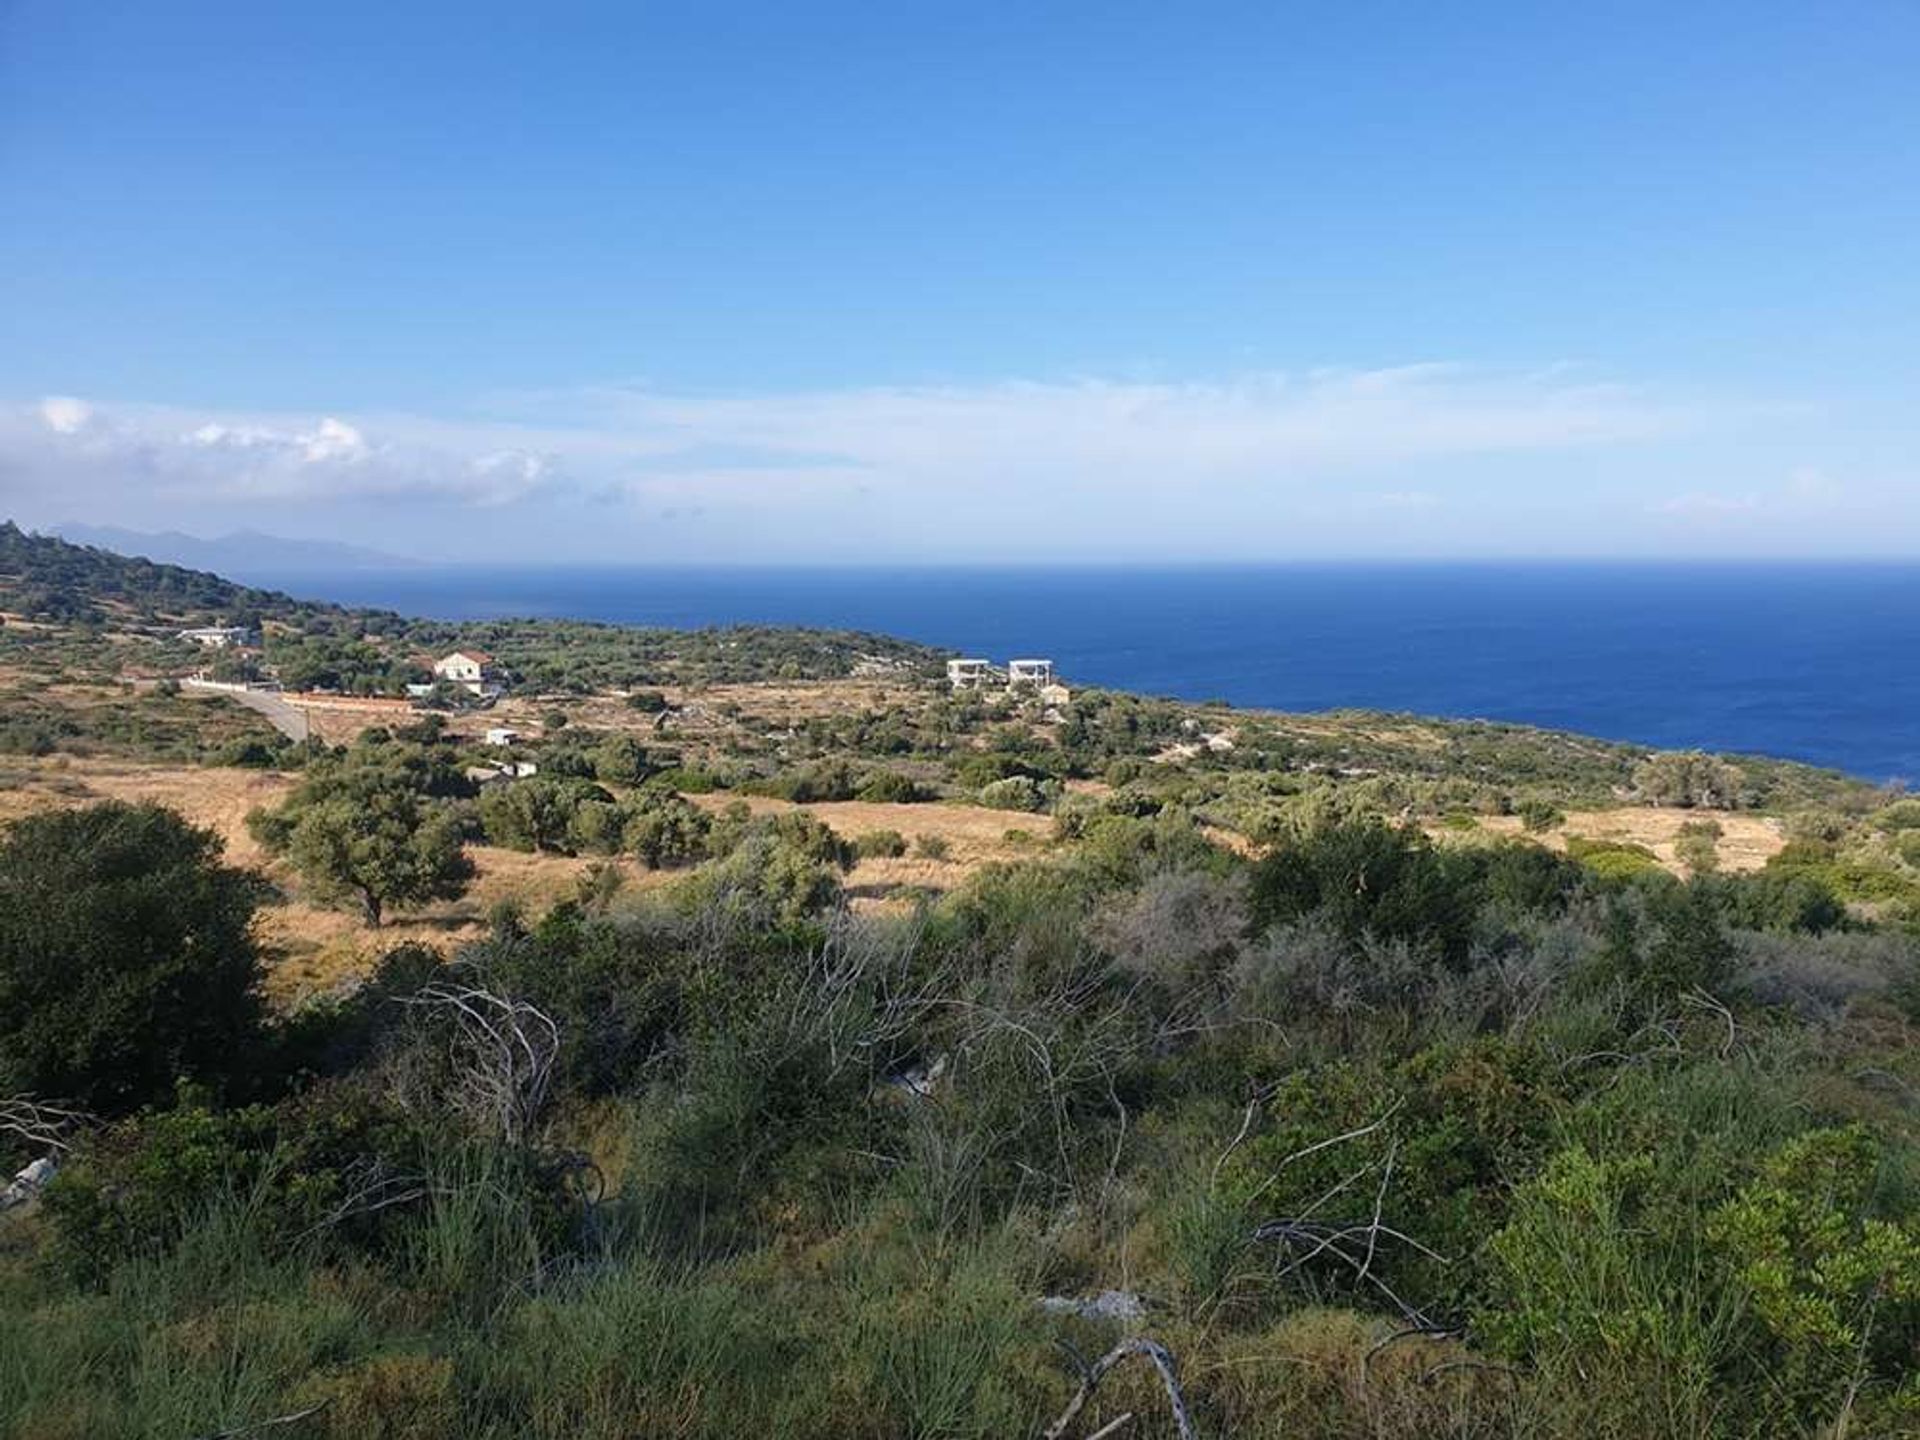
<point x="1029" y="672"/>
<point x="502" y="736"/>
<point x="472" y="670"/>
<point x="969" y="674"/>
<point x="218" y="637"/>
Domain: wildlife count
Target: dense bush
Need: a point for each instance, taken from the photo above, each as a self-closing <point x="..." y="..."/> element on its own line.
<point x="880" y="845"/>
<point x="126" y="958"/>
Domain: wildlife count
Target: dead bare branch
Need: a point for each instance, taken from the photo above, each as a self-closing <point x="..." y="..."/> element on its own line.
<point x="1698" y="999"/>
<point x="373" y="1188"/>
<point x="1157" y="1355"/>
<point x="42" y="1124"/>
<point x="1258" y="1097"/>
<point x="1325" y="1239"/>
<point x="1446" y="1367"/>
<point x="1319" y="1145"/>
<point x="1428" y="1332"/>
<point x="502" y="1052"/>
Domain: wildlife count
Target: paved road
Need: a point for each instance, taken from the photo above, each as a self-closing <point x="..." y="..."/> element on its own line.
<point x="289" y="720"/>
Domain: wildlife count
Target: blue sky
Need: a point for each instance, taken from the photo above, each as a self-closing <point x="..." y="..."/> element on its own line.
<point x="1115" y="281"/>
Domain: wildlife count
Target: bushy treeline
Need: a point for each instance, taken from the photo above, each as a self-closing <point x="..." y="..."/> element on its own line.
<point x="1378" y="1138"/>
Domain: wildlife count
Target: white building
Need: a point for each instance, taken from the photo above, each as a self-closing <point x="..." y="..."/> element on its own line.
<point x="969" y="674"/>
<point x="472" y="670"/>
<point x="218" y="637"/>
<point x="501" y="736"/>
<point x="1029" y="672"/>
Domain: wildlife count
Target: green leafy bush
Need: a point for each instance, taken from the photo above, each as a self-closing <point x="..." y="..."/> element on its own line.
<point x="126" y="958"/>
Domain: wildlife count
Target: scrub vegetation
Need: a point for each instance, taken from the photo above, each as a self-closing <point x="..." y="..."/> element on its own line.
<point x="1272" y="1088"/>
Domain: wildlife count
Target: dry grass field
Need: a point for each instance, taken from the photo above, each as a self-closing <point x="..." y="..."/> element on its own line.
<point x="313" y="950"/>
<point x="1747" y="841"/>
<point x="971" y="834"/>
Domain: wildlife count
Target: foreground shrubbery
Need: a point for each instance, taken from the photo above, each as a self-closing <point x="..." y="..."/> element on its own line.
<point x="1393" y="1140"/>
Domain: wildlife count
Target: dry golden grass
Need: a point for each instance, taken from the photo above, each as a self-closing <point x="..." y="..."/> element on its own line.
<point x="313" y="949"/>
<point x="339" y="719"/>
<point x="974" y="836"/>
<point x="1748" y="841"/>
<point x="310" y="949"/>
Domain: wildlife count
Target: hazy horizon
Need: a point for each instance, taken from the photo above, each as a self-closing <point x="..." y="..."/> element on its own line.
<point x="1084" y="287"/>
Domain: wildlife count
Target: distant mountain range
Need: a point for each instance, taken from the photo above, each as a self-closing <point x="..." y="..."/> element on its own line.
<point x="245" y="554"/>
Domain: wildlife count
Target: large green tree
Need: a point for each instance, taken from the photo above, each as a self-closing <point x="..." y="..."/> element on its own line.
<point x="378" y="846"/>
<point x="370" y="826"/>
<point x="126" y="959"/>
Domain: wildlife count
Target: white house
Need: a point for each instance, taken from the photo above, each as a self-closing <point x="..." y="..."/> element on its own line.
<point x="502" y="736"/>
<point x="969" y="674"/>
<point x="218" y="637"/>
<point x="1029" y="672"/>
<point x="473" y="670"/>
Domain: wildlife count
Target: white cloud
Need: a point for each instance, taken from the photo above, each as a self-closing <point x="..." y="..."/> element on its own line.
<point x="190" y="458"/>
<point x="65" y="415"/>
<point x="1096" y="465"/>
<point x="1258" y="421"/>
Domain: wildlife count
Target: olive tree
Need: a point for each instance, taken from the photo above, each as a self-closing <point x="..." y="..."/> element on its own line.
<point x="381" y="847"/>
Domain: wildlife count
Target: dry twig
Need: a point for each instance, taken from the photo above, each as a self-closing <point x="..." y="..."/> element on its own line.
<point x="503" y="1053"/>
<point x="42" y="1124"/>
<point x="1091" y="1375"/>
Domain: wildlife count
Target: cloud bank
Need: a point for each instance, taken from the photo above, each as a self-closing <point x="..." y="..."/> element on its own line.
<point x="124" y="452"/>
<point x="1232" y="468"/>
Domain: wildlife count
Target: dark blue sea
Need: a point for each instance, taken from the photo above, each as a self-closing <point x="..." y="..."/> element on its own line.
<point x="1811" y="662"/>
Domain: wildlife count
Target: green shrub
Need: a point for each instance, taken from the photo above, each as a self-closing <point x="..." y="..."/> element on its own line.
<point x="620" y="760"/>
<point x="665" y="831"/>
<point x="126" y="957"/>
<point x="1367" y="879"/>
<point x="1540" y="816"/>
<point x="880" y="845"/>
<point x="1615" y="861"/>
<point x="892" y="788"/>
<point x="1836" y="1286"/>
<point x="1016" y="792"/>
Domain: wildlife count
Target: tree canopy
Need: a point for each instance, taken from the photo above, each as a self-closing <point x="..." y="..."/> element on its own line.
<point x="125" y="957"/>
